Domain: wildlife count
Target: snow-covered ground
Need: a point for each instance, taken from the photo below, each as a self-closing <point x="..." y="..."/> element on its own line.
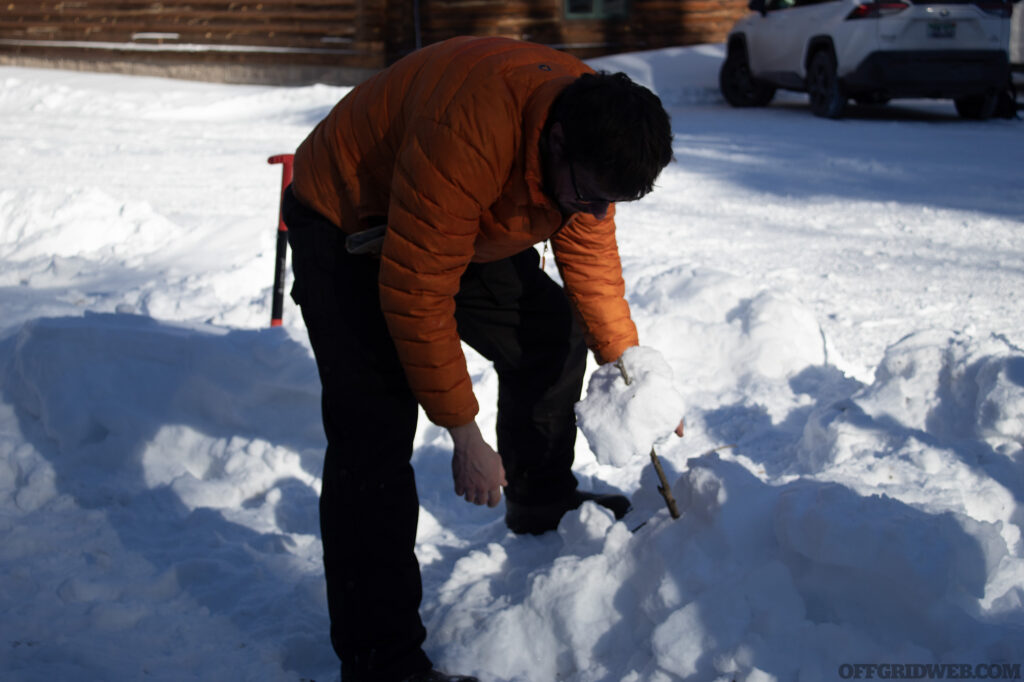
<point x="838" y="301"/>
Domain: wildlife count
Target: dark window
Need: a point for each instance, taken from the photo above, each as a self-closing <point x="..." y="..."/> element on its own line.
<point x="595" y="9"/>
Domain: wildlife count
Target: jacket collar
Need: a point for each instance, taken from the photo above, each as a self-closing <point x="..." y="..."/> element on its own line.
<point x="534" y="118"/>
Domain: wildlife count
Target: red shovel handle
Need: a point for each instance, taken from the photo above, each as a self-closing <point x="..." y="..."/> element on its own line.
<point x="277" y="306"/>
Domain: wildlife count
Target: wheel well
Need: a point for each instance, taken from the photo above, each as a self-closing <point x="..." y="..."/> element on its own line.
<point x="816" y="45"/>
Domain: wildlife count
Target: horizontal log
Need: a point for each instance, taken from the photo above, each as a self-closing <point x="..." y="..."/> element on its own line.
<point x="131" y="29"/>
<point x="89" y="14"/>
<point x="360" y="60"/>
<point x="281" y="40"/>
<point x="256" y="51"/>
<point x="211" y="19"/>
<point x="162" y="25"/>
<point x="651" y="18"/>
<point x="505" y="13"/>
<point x="128" y="30"/>
<point x="179" y="5"/>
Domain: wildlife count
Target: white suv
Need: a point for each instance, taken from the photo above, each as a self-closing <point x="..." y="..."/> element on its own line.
<point x="870" y="51"/>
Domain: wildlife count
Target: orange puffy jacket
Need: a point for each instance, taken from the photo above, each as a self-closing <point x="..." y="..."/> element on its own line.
<point x="446" y="144"/>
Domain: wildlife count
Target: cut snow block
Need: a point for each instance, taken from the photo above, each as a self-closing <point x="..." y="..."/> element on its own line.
<point x="622" y="421"/>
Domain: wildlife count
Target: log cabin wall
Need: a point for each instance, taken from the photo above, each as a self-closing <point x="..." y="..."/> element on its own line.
<point x="253" y="41"/>
<point x="329" y="41"/>
<point x="630" y="25"/>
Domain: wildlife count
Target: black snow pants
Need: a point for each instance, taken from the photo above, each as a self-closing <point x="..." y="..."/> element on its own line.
<point x="510" y="312"/>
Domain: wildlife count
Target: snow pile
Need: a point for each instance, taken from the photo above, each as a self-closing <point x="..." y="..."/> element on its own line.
<point x="834" y="307"/>
<point x="939" y="428"/>
<point x="84" y="223"/>
<point x="891" y="547"/>
<point x="753" y="582"/>
<point x="169" y="465"/>
<point x="933" y="384"/>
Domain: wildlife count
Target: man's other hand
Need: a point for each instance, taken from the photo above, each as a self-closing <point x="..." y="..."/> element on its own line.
<point x="476" y="467"/>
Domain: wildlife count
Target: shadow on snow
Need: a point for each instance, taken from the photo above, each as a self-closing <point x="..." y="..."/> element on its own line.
<point x="93" y="394"/>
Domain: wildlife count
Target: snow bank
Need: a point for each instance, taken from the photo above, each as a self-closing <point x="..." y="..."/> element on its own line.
<point x="85" y="223"/>
<point x="164" y="493"/>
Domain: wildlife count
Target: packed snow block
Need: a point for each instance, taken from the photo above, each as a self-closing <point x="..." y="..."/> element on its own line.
<point x="583" y="530"/>
<point x="623" y="421"/>
<point x="883" y="541"/>
<point x="914" y="383"/>
<point x="780" y="336"/>
<point x="721" y="603"/>
<point x="878" y="564"/>
<point x="722" y="633"/>
<point x="719" y="330"/>
<point x="935" y="386"/>
<point x="951" y="384"/>
<point x="700" y="492"/>
<point x="938" y="429"/>
<point x="999" y="410"/>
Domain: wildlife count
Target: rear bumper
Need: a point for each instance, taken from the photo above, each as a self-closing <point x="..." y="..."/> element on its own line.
<point x="940" y="74"/>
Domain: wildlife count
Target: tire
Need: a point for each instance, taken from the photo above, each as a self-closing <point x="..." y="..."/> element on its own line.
<point x="739" y="88"/>
<point x="823" y="86"/>
<point x="977" y="107"/>
<point x="1006" y="103"/>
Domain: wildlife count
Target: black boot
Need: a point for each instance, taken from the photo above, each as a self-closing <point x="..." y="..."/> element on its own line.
<point x="438" y="676"/>
<point x="540" y="518"/>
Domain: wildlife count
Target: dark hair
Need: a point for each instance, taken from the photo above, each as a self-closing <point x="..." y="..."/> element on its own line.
<point x="615" y="128"/>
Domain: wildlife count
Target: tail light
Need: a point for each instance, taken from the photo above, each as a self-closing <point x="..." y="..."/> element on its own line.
<point x="873" y="10"/>
<point x="997" y="8"/>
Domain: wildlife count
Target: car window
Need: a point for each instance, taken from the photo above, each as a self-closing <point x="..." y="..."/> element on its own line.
<point x="775" y="5"/>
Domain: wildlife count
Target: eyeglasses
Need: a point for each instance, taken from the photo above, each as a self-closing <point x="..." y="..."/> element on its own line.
<point x="579" y="197"/>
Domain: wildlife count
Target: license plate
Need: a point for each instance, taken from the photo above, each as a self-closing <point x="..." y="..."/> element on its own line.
<point x="942" y="29"/>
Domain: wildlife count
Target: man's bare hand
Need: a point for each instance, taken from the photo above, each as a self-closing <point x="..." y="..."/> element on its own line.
<point x="476" y="467"/>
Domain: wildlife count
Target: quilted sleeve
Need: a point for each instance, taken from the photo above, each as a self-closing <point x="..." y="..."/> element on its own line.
<point x="588" y="259"/>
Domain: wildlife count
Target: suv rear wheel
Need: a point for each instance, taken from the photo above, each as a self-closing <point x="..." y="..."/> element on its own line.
<point x="827" y="98"/>
<point x="977" y="107"/>
<point x="738" y="86"/>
